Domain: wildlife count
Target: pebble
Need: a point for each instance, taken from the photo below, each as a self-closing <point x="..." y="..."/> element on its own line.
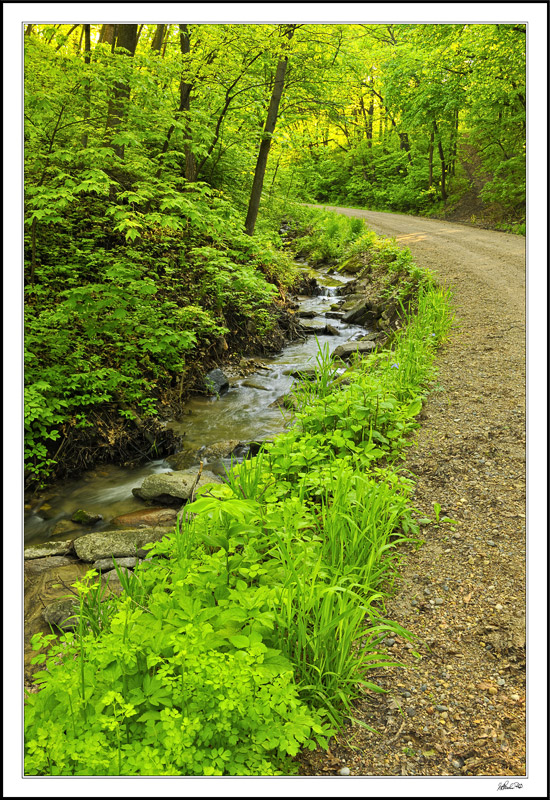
<point x="499" y="607"/>
<point x="501" y="682"/>
<point x="411" y="712"/>
<point x="438" y="601"/>
<point x="427" y="592"/>
<point x="344" y="771"/>
<point x="389" y="642"/>
<point x="441" y="708"/>
<point x="424" y="687"/>
<point x="405" y="693"/>
<point x="491" y="543"/>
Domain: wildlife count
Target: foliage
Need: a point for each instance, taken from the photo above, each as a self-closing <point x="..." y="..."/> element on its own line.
<point x="254" y="634"/>
<point x="422" y="112"/>
<point x="166" y="703"/>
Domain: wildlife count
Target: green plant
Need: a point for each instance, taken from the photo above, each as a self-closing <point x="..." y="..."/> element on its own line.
<point x="166" y="704"/>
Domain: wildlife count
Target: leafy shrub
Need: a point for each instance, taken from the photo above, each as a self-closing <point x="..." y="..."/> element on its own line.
<point x="155" y="698"/>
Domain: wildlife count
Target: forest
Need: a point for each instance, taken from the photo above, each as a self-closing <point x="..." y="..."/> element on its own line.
<point x="146" y="158"/>
<point x="171" y="174"/>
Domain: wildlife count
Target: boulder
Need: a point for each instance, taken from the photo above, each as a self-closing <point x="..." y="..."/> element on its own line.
<point x="119" y="544"/>
<point x="360" y="314"/>
<point x="172" y="487"/>
<point x="146" y="518"/>
<point x="106" y="564"/>
<point x="351" y="301"/>
<point x="183" y="459"/>
<point x="61" y="614"/>
<point x="334" y="314"/>
<point x="306" y="314"/>
<point x="314" y="330"/>
<point x="346" y="350"/>
<point x="38" y="565"/>
<point x="82" y="517"/>
<point x="352" y="266"/>
<point x="221" y="449"/>
<point x="216" y="382"/>
<point x="48" y="549"/>
<point x="330" y="330"/>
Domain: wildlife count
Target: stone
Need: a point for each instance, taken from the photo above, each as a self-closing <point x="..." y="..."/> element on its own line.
<point x="252" y="384"/>
<point x="216" y="381"/>
<point x="345" y="771"/>
<point x="59" y="614"/>
<point x="306" y="314"/>
<point x="146" y="518"/>
<point x="351" y="301"/>
<point x="113" y="576"/>
<point x="330" y="330"/>
<point x="63" y="526"/>
<point x="172" y="487"/>
<point x="48" y="549"/>
<point x="112" y="580"/>
<point x="120" y="544"/>
<point x="82" y="517"/>
<point x="361" y="313"/>
<point x="346" y="350"/>
<point x="38" y="565"/>
<point x="182" y="460"/>
<point x="285" y="401"/>
<point x="220" y="449"/>
<point x="334" y="314"/>
<point x="314" y="330"/>
<point x="107" y="564"/>
<point x="308" y="373"/>
<point x="351" y="267"/>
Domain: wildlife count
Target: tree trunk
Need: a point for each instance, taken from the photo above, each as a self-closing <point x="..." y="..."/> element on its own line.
<point x="87" y="98"/>
<point x="368" y="117"/>
<point x="443" y="167"/>
<point x="265" y="144"/>
<point x="185" y="101"/>
<point x="431" y="161"/>
<point x="454" y="140"/>
<point x="158" y="37"/>
<point x="404" y="144"/>
<point x="126" y="37"/>
<point x="107" y="34"/>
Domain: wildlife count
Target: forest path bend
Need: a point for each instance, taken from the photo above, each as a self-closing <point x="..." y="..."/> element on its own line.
<point x="493" y="260"/>
<point x="460" y="708"/>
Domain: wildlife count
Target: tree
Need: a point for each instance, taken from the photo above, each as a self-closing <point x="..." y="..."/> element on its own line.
<point x="265" y="144"/>
<point x="126" y="40"/>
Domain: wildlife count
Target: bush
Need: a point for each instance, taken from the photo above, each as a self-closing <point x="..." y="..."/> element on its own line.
<point x="152" y="697"/>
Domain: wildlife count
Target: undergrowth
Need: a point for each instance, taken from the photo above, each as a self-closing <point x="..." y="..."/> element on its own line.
<point x="258" y="629"/>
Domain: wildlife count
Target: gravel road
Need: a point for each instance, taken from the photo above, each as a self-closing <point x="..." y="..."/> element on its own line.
<point x="457" y="707"/>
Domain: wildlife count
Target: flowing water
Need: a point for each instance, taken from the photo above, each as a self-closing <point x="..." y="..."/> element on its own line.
<point x="245" y="412"/>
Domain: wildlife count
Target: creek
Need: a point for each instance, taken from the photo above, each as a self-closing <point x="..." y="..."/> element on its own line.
<point x="245" y="412"/>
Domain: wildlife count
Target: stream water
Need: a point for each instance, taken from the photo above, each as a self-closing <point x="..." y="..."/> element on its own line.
<point x="245" y="412"/>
